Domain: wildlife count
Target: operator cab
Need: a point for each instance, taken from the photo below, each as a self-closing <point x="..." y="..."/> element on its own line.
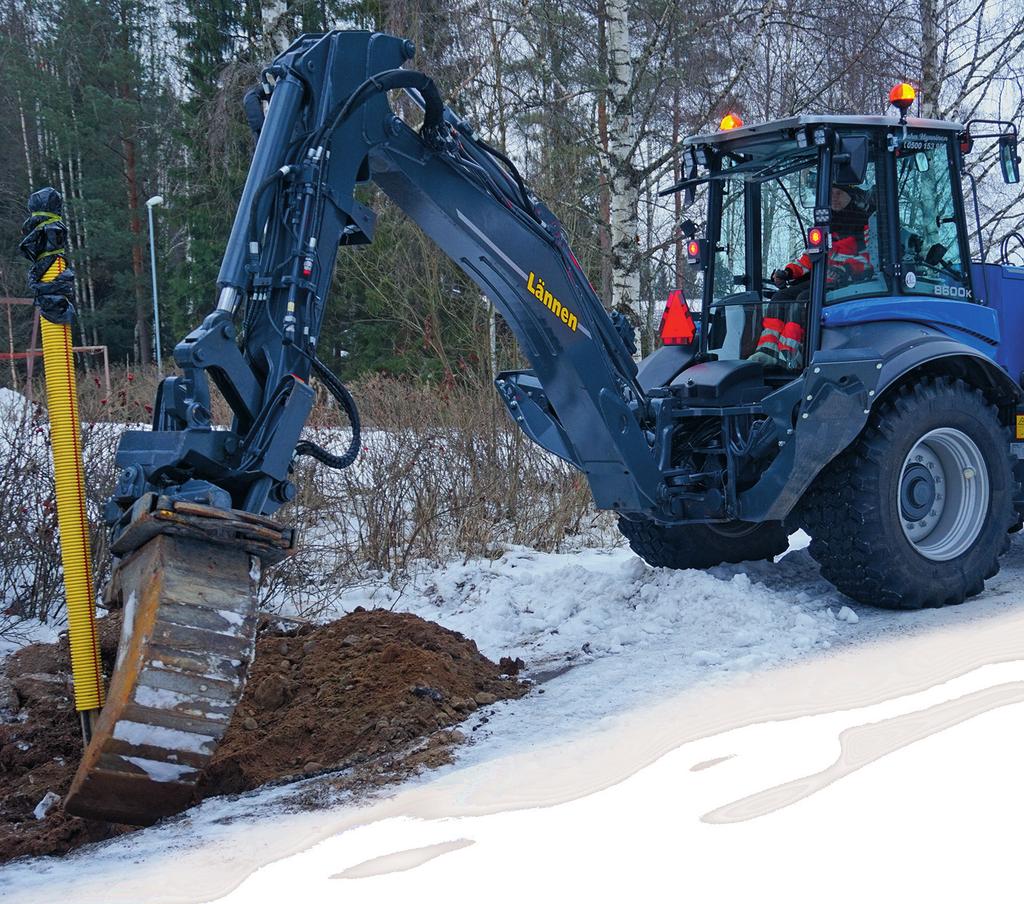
<point x="820" y="220"/>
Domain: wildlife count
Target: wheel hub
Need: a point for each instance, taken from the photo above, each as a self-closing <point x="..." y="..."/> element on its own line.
<point x="943" y="494"/>
<point x="917" y="492"/>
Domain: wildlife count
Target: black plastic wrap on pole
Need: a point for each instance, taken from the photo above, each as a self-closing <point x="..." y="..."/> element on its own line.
<point x="45" y="245"/>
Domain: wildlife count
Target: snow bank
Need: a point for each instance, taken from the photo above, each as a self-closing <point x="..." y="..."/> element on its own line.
<point x="26" y="631"/>
<point x="12" y="405"/>
<point x="549" y="607"/>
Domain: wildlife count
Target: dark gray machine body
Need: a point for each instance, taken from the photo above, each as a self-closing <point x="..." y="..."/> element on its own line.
<point x="329" y="127"/>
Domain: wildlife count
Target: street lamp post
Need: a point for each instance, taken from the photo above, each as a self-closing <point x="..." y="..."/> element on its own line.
<point x="150" y="204"/>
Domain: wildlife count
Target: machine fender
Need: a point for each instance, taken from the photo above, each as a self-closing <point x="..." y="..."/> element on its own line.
<point x="846" y="379"/>
<point x="995" y="378"/>
<point x="904" y="347"/>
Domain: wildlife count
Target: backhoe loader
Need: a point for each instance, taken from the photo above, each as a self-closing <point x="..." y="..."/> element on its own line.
<point x="888" y="424"/>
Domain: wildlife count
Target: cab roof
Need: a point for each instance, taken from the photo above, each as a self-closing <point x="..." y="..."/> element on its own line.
<point x="766" y="129"/>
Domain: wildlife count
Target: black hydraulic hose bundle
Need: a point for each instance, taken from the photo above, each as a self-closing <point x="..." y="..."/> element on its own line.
<point x="1004" y="246"/>
<point x="391" y="80"/>
<point x="344" y="398"/>
<point x="516" y="196"/>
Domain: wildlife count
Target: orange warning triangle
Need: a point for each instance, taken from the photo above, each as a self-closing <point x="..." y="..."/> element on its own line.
<point x="676" y="323"/>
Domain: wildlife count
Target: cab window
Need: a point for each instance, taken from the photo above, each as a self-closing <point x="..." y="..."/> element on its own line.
<point x="929" y="245"/>
<point x="731" y="254"/>
<point x="855" y="258"/>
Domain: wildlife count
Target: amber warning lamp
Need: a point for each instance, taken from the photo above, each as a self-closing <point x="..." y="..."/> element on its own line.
<point x="677" y="327"/>
<point x="901" y="97"/>
<point x="815" y="239"/>
<point x="729" y="122"/>
<point x="695" y="255"/>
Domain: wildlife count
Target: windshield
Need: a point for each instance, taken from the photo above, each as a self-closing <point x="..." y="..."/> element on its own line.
<point x="929" y="246"/>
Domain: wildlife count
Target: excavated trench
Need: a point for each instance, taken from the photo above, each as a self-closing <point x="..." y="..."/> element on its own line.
<point x="377" y="694"/>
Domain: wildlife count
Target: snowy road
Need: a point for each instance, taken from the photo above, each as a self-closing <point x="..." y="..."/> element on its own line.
<point x="634" y="666"/>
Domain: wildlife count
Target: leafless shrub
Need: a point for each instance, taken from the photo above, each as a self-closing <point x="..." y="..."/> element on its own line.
<point x="443" y="473"/>
<point x="30" y="564"/>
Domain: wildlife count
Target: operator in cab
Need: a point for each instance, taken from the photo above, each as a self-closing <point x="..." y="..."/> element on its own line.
<point x="782" y="336"/>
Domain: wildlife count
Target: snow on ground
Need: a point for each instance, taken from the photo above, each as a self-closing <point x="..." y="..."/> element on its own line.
<point x="12" y="404"/>
<point x="15" y="635"/>
<point x="560" y="608"/>
<point x="604" y="637"/>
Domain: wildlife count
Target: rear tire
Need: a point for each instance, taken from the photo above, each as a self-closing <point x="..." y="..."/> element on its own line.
<point x="917" y="511"/>
<point x="703" y="545"/>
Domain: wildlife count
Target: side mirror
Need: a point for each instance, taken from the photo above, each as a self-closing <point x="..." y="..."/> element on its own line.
<point x="921" y="161"/>
<point x="690" y="192"/>
<point x="688" y="228"/>
<point x="1009" y="162"/>
<point x="850" y="164"/>
<point x="717" y="328"/>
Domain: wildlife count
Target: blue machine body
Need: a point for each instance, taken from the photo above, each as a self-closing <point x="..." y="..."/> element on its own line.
<point x="977" y="326"/>
<point x="987" y="327"/>
<point x="1001" y="287"/>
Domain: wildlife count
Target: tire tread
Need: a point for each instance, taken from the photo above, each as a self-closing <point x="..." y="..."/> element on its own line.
<point x="842" y="511"/>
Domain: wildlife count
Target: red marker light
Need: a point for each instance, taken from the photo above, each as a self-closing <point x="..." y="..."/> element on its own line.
<point x="693" y="248"/>
<point x="815" y="237"/>
<point x="677" y="326"/>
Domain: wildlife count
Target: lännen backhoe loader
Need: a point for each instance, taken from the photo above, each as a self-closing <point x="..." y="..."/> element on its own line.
<point x="858" y="388"/>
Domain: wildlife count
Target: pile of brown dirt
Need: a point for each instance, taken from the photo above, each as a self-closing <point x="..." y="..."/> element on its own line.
<point x="40" y="745"/>
<point x="374" y="682"/>
<point x="376" y="690"/>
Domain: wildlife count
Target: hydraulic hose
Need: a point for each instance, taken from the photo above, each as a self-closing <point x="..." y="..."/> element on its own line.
<point x="389" y="80"/>
<point x="344" y="397"/>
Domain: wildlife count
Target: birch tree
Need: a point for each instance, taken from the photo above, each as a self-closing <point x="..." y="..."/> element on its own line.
<point x="624" y="183"/>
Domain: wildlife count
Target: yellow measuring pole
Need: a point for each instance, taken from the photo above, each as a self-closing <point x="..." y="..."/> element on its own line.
<point x="76" y="556"/>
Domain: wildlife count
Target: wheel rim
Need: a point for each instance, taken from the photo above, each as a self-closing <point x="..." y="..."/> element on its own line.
<point x="943" y="494"/>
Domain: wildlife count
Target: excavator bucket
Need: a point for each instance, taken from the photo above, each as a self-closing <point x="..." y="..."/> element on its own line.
<point x="188" y="593"/>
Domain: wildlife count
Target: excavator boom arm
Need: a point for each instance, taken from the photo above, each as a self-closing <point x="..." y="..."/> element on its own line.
<point x="189" y="515"/>
<point x="328" y="128"/>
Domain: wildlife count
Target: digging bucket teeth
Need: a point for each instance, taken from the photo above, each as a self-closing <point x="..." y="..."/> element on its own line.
<point x="189" y="602"/>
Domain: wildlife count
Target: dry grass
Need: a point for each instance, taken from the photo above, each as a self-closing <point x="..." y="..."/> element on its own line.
<point x="30" y="569"/>
<point x="443" y="474"/>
